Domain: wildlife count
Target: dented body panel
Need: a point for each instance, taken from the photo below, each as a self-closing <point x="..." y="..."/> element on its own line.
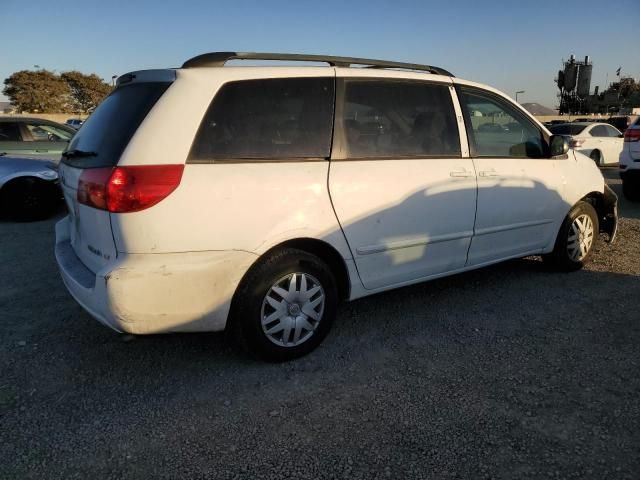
<point x="155" y="293"/>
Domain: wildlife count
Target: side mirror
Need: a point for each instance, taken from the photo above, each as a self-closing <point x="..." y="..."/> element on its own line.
<point x="559" y="145"/>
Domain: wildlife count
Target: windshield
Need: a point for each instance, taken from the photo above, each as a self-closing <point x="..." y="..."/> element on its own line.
<point x="108" y="130"/>
<point x="567" y="129"/>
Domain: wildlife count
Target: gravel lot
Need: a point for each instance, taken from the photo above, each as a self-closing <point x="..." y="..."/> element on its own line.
<point x="506" y="372"/>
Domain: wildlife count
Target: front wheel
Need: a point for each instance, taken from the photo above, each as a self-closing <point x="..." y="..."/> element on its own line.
<point x="576" y="238"/>
<point x="285" y="306"/>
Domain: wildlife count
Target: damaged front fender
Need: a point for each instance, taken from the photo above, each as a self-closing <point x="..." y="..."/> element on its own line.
<point x="608" y="214"/>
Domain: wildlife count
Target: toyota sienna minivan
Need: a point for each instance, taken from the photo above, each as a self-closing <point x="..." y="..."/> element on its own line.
<point x="256" y="198"/>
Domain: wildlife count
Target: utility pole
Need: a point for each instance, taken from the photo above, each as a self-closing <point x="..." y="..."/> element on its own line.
<point x="518" y="92"/>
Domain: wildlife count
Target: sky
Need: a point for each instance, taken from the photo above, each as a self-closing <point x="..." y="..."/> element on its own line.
<point x="509" y="45"/>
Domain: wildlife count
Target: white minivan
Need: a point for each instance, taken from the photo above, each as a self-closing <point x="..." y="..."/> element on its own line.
<point x="255" y="198"/>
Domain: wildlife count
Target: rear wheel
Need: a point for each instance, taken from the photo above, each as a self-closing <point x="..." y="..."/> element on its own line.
<point x="285" y="306"/>
<point x="596" y="156"/>
<point x="28" y="199"/>
<point x="576" y="238"/>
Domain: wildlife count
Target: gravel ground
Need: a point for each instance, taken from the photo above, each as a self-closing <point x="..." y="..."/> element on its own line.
<point x="507" y="372"/>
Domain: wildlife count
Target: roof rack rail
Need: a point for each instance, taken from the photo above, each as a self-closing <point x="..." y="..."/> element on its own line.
<point x="218" y="59"/>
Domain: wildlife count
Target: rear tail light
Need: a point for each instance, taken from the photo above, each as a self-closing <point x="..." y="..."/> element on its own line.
<point x="128" y="189"/>
<point x="632" y="135"/>
<point x="575" y="143"/>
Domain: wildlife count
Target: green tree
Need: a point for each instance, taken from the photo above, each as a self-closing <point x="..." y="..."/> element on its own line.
<point x="87" y="91"/>
<point x="39" y="91"/>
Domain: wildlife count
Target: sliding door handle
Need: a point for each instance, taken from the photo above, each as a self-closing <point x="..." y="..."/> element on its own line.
<point x="461" y="173"/>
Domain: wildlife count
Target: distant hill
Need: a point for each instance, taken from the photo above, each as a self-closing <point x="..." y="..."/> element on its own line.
<point x="537" y="109"/>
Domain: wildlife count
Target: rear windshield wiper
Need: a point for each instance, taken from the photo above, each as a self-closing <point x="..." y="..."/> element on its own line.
<point x="78" y="153"/>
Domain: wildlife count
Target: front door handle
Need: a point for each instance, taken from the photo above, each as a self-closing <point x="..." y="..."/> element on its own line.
<point x="488" y="173"/>
<point x="462" y="173"/>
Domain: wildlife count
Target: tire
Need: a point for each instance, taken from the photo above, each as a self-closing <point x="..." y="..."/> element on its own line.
<point x="28" y="198"/>
<point x="596" y="156"/>
<point x="631" y="190"/>
<point x="570" y="253"/>
<point x="297" y="324"/>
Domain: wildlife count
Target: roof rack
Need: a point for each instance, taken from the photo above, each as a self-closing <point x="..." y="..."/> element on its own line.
<point x="218" y="59"/>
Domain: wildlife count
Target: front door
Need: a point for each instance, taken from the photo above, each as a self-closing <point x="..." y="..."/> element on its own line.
<point x="519" y="186"/>
<point x="403" y="193"/>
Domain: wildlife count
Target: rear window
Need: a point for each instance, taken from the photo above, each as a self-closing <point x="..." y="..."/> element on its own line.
<point x="567" y="129"/>
<point x="108" y="130"/>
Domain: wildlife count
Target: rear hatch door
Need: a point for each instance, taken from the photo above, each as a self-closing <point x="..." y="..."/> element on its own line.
<point x="97" y="147"/>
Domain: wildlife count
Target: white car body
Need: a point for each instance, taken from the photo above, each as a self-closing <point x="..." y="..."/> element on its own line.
<point x="176" y="266"/>
<point x="591" y="142"/>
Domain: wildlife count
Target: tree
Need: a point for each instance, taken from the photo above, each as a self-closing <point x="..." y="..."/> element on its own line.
<point x="87" y="91"/>
<point x="38" y="91"/>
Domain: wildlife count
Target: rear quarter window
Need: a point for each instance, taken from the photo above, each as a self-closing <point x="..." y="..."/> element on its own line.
<point x="10" y="132"/>
<point x="267" y="119"/>
<point x="110" y="127"/>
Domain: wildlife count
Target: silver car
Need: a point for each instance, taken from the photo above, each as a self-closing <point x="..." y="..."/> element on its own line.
<point x="33" y="137"/>
<point x="29" y="188"/>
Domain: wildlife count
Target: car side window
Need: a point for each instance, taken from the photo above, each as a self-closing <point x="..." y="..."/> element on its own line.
<point x="10" y="132"/>
<point x="395" y="118"/>
<point x="268" y="119"/>
<point x="599" y="131"/>
<point x="497" y="129"/>
<point x="611" y="131"/>
<point x="42" y="133"/>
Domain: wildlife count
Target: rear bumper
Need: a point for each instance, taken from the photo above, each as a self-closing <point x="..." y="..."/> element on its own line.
<point x="155" y="293"/>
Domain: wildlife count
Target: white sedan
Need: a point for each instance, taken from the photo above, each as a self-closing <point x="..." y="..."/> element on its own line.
<point x="600" y="141"/>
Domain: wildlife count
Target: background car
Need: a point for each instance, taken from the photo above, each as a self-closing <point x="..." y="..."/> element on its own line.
<point x="630" y="162"/>
<point x="622" y="122"/>
<point x="29" y="188"/>
<point x="600" y="141"/>
<point x="587" y="120"/>
<point x="74" y="123"/>
<point x="33" y="137"/>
